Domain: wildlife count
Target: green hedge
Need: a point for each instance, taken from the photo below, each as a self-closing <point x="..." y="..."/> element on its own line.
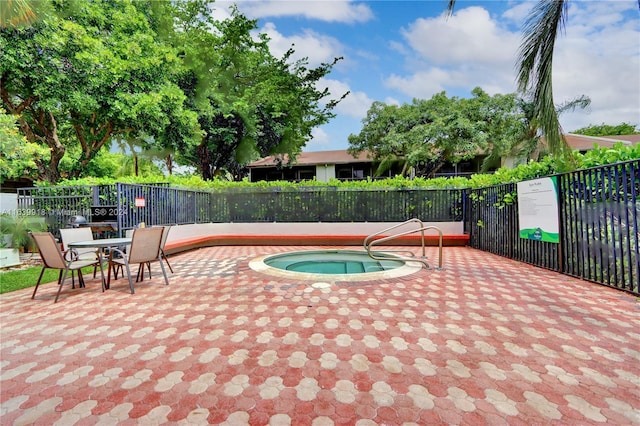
<point x="549" y="165"/>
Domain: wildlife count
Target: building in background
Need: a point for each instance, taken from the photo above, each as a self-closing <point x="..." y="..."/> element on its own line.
<point x="339" y="164"/>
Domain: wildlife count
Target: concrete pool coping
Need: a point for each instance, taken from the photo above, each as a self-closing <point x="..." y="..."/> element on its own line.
<point x="409" y="267"/>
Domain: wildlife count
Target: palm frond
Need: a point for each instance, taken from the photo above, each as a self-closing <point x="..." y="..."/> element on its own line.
<point x="581" y="102"/>
<point x="535" y="57"/>
<point x="452" y="3"/>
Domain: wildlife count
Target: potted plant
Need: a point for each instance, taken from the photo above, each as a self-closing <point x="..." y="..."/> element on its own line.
<point x="8" y="256"/>
<point x="6" y="223"/>
<point x="18" y="228"/>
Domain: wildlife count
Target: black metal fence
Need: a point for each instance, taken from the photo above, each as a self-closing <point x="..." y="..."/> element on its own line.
<point x="598" y="221"/>
<point x="58" y="204"/>
<point x="598" y="215"/>
<point x="162" y="205"/>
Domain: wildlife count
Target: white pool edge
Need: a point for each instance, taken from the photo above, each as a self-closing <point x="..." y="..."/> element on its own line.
<point x="258" y="265"/>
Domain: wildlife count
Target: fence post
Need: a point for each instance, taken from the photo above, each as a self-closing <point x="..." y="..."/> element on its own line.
<point x="465" y="224"/>
<point x="120" y="208"/>
<point x="561" y="223"/>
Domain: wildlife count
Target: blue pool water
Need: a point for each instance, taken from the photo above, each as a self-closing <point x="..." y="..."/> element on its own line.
<point x="330" y="262"/>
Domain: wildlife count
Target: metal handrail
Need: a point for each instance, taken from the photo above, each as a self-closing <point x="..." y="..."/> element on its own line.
<point x="368" y="243"/>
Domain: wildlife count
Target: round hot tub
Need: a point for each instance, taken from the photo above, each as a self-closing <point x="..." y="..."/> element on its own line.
<point x="337" y="265"/>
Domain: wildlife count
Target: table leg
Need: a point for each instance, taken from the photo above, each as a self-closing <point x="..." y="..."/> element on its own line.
<point x="101" y="260"/>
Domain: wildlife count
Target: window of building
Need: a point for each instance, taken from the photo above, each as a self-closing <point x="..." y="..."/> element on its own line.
<point x="306" y="174"/>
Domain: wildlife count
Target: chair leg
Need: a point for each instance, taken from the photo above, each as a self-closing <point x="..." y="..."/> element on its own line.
<point x="140" y="274"/>
<point x="80" y="279"/>
<point x="166" y="280"/>
<point x="164" y="256"/>
<point x="129" y="275"/>
<point x="38" y="283"/>
<point x="111" y="266"/>
<point x="103" y="282"/>
<point x="64" y="277"/>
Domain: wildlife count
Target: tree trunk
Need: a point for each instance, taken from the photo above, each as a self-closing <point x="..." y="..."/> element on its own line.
<point x="91" y="139"/>
<point x="44" y="130"/>
<point x="435" y="169"/>
<point x="168" y="161"/>
<point x="205" y="163"/>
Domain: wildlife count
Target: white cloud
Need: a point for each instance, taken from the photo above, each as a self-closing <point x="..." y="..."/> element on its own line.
<point x="454" y="81"/>
<point x="422" y="84"/>
<point x="597" y="55"/>
<point x="518" y="13"/>
<point x="392" y="101"/>
<point x="355" y="105"/>
<point x="320" y="140"/>
<point x="221" y="11"/>
<point x="316" y="47"/>
<point x="601" y="61"/>
<point x="466" y="50"/>
<point x="344" y="11"/>
<point x="469" y="36"/>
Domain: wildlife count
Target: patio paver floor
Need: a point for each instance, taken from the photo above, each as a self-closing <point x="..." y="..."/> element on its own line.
<point x="485" y="341"/>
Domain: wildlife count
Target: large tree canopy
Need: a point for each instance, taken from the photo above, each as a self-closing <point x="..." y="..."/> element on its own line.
<point x="250" y="104"/>
<point x="165" y="75"/>
<point x="425" y="134"/>
<point x="96" y="73"/>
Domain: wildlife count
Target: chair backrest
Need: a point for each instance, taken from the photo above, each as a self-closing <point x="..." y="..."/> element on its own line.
<point x="72" y="235"/>
<point x="49" y="250"/>
<point x="145" y="245"/>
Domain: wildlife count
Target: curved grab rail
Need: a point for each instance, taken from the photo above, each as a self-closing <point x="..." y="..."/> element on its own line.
<point x="406" y="222"/>
<point x="377" y="256"/>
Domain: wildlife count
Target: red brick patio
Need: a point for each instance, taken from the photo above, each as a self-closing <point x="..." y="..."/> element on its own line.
<point x="485" y="341"/>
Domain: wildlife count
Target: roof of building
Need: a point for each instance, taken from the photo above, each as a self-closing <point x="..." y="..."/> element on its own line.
<point x="584" y="143"/>
<point x="340" y="156"/>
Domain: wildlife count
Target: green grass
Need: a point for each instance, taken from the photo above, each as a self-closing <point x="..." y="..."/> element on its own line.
<point x="23" y="278"/>
<point x="28" y="277"/>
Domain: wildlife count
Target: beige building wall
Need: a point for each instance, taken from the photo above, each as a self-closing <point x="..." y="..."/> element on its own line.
<point x="325" y="172"/>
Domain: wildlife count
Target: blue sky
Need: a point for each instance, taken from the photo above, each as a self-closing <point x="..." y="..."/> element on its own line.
<point x="395" y="51"/>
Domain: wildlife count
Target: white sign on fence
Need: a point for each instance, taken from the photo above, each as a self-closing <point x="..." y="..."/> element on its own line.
<point x="538" y="210"/>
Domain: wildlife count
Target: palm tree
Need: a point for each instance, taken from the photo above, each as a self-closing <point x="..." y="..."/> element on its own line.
<point x="529" y="145"/>
<point x="535" y="58"/>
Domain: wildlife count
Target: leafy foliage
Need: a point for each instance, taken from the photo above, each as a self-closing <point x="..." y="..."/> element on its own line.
<point x="534" y="169"/>
<point x="608" y="130"/>
<point x="97" y="72"/>
<point x="425" y="134"/>
<point x="18" y="227"/>
<point x="165" y="76"/>
<point x="17" y="155"/>
<point x="249" y="103"/>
